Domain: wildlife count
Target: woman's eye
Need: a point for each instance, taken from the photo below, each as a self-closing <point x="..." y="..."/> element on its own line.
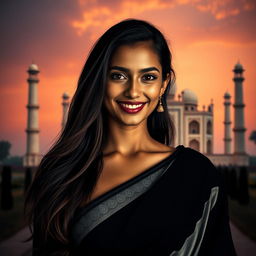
<point x="117" y="76"/>
<point x="149" y="77"/>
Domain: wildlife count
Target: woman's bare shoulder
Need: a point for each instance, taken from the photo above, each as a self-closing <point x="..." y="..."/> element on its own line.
<point x="162" y="148"/>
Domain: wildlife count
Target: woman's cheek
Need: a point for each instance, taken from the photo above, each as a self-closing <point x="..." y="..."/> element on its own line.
<point x="153" y="93"/>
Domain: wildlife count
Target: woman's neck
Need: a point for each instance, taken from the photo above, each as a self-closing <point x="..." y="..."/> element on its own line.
<point x="127" y="140"/>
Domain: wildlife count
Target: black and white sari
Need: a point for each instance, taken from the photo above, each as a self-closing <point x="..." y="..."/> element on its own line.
<point x="177" y="207"/>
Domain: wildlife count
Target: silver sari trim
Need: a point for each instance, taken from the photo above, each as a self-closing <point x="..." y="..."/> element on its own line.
<point x="192" y="244"/>
<point x="104" y="210"/>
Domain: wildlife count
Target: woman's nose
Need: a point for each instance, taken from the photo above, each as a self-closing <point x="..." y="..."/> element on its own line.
<point x="133" y="89"/>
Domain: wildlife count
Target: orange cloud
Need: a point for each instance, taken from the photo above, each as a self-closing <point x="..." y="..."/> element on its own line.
<point x="218" y="14"/>
<point x="103" y="14"/>
<point x="248" y="6"/>
<point x="92" y="18"/>
<point x="222" y="9"/>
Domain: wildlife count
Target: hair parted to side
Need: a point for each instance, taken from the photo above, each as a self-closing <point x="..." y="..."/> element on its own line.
<point x="68" y="172"/>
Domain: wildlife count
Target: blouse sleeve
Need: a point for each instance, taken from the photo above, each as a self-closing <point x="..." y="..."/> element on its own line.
<point x="217" y="240"/>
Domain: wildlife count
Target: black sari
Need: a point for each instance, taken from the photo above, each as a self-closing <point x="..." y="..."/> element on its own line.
<point x="178" y="207"/>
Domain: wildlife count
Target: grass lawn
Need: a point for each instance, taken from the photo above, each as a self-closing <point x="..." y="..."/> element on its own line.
<point x="244" y="216"/>
<point x="12" y="220"/>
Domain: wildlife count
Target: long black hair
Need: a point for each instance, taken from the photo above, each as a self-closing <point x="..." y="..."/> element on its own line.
<point x="68" y="172"/>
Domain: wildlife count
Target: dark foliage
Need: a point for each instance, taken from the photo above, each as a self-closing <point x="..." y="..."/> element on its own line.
<point x="6" y="187"/>
<point x="243" y="192"/>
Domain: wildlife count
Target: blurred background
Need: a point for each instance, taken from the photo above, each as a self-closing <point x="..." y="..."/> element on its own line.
<point x="44" y="45"/>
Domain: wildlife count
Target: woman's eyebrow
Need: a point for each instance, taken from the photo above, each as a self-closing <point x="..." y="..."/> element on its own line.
<point x="120" y="68"/>
<point x="149" y="69"/>
<point x="140" y="71"/>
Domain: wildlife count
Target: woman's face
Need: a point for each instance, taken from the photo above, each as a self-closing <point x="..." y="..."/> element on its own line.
<point x="134" y="83"/>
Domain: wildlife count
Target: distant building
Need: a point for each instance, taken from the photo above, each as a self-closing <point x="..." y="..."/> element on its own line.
<point x="194" y="128"/>
<point x="65" y="106"/>
<point x="32" y="157"/>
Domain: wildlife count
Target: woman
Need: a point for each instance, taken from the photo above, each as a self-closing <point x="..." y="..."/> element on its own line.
<point x="112" y="184"/>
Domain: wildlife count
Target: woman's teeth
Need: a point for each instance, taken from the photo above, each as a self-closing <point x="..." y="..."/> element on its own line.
<point x="131" y="106"/>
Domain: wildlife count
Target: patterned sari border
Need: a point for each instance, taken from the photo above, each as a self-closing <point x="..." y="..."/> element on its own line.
<point x="96" y="215"/>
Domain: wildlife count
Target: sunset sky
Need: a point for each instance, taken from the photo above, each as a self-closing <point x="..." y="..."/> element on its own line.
<point x="206" y="37"/>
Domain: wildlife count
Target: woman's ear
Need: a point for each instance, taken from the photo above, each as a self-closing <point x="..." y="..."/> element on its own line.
<point x="165" y="83"/>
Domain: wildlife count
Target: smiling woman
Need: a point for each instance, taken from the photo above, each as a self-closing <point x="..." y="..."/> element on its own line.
<point x="134" y="83"/>
<point x="113" y="184"/>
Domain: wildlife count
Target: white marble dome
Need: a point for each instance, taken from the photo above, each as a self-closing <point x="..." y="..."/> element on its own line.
<point x="189" y="97"/>
<point x="33" y="67"/>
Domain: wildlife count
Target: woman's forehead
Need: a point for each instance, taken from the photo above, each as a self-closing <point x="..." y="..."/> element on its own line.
<point x="135" y="56"/>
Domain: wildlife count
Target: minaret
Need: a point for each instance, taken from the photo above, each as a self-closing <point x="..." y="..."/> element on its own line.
<point x="32" y="157"/>
<point x="239" y="129"/>
<point x="172" y="92"/>
<point x="210" y="106"/>
<point x="65" y="104"/>
<point x="227" y="124"/>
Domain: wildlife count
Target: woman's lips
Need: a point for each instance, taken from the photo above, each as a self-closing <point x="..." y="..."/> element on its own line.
<point x="131" y="108"/>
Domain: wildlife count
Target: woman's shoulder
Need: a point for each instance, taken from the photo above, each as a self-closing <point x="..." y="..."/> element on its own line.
<point x="194" y="158"/>
<point x="196" y="165"/>
<point x="194" y="155"/>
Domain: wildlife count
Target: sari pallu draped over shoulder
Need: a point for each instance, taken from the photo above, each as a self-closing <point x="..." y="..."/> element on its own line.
<point x="178" y="207"/>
